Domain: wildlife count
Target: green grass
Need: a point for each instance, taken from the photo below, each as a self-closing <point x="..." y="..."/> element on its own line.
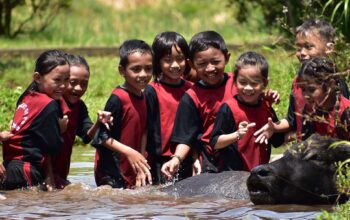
<point x="90" y="23"/>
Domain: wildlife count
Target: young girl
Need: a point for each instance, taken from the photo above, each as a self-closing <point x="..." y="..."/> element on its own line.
<point x="326" y="110"/>
<point x="119" y="161"/>
<point x="163" y="96"/>
<point x="79" y="122"/>
<point x="238" y="118"/>
<point x="36" y="129"/>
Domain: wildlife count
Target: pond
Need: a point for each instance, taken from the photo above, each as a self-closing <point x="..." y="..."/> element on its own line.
<point x="83" y="200"/>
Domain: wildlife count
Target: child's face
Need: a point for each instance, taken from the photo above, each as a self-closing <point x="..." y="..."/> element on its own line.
<point x="78" y="83"/>
<point x="250" y="84"/>
<point x="53" y="83"/>
<point x="210" y="65"/>
<point x="137" y="72"/>
<point x="311" y="44"/>
<point x="314" y="94"/>
<point x="173" y="66"/>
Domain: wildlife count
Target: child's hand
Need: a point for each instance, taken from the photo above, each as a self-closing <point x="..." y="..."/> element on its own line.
<point x="142" y="179"/>
<point x="139" y="164"/>
<point x="272" y="96"/>
<point x="105" y="118"/>
<point x="49" y="183"/>
<point x="196" y="168"/>
<point x="265" y="132"/>
<point x="63" y="122"/>
<point x="2" y="172"/>
<point x="171" y="167"/>
<point x="243" y="128"/>
<point x="5" y="135"/>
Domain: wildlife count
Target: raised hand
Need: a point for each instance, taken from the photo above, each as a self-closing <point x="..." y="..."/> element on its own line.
<point x="243" y="128"/>
<point x="272" y="96"/>
<point x="265" y="132"/>
<point x="105" y="118"/>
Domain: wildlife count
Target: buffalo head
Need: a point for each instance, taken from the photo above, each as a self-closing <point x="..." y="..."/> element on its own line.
<point x="304" y="175"/>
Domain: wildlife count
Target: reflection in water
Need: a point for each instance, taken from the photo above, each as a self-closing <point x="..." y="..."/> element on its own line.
<point x="83" y="200"/>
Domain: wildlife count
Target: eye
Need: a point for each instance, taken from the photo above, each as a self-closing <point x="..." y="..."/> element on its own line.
<point x="167" y="59"/>
<point x="136" y="69"/>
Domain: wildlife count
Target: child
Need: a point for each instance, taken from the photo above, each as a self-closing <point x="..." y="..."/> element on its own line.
<point x="36" y="129"/>
<point x="163" y="95"/>
<point x="239" y="117"/>
<point x="326" y="110"/>
<point x="198" y="106"/>
<point x="119" y="161"/>
<point x="79" y="122"/>
<point x="315" y="37"/>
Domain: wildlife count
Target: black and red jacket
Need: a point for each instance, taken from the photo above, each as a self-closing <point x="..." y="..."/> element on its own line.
<point x="195" y="118"/>
<point x="36" y="131"/>
<point x="129" y="113"/>
<point x="297" y="104"/>
<point x="334" y="123"/>
<point x="79" y="123"/>
<point x="251" y="154"/>
<point x="162" y="103"/>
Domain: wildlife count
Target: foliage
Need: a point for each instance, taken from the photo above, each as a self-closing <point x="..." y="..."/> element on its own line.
<point x="109" y="25"/>
<point x="23" y="16"/>
<point x="343" y="184"/>
<point x="289" y="14"/>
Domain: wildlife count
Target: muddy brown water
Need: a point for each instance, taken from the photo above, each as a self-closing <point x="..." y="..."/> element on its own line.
<point x="83" y="200"/>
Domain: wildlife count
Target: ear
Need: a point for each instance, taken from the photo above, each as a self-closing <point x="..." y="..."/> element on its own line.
<point x="227" y="58"/>
<point x="329" y="47"/>
<point x="265" y="82"/>
<point x="121" y="70"/>
<point x="36" y="77"/>
<point x="339" y="151"/>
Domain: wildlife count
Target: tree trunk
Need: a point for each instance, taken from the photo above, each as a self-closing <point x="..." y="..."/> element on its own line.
<point x="2" y="31"/>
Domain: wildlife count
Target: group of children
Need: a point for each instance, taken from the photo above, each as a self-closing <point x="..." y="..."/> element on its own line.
<point x="148" y="132"/>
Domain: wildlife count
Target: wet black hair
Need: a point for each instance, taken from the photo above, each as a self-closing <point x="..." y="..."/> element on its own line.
<point x="45" y="63"/>
<point x="252" y="58"/>
<point x="77" y="60"/>
<point x="130" y="47"/>
<point x="162" y="46"/>
<point x="323" y="27"/>
<point x="320" y="69"/>
<point x="203" y="40"/>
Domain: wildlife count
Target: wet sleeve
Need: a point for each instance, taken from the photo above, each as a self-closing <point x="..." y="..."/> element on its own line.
<point x="85" y="123"/>
<point x="291" y="113"/>
<point x="224" y="124"/>
<point x="188" y="125"/>
<point x="114" y="106"/>
<point x="46" y="129"/>
<point x="153" y="119"/>
<point x="277" y="139"/>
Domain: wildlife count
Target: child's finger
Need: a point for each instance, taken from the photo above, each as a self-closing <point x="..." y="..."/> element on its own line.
<point x="250" y="125"/>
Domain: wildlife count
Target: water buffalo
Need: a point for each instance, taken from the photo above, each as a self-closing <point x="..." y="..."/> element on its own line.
<point x="304" y="175"/>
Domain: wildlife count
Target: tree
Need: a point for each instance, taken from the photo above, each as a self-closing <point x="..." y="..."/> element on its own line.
<point x="288" y="14"/>
<point x="21" y="16"/>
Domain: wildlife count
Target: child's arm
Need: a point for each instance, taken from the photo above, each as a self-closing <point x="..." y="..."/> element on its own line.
<point x="5" y="135"/>
<point x="137" y="161"/>
<point x="225" y="140"/>
<point x="2" y="172"/>
<point x="141" y="178"/>
<point x="49" y="181"/>
<point x="103" y="117"/>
